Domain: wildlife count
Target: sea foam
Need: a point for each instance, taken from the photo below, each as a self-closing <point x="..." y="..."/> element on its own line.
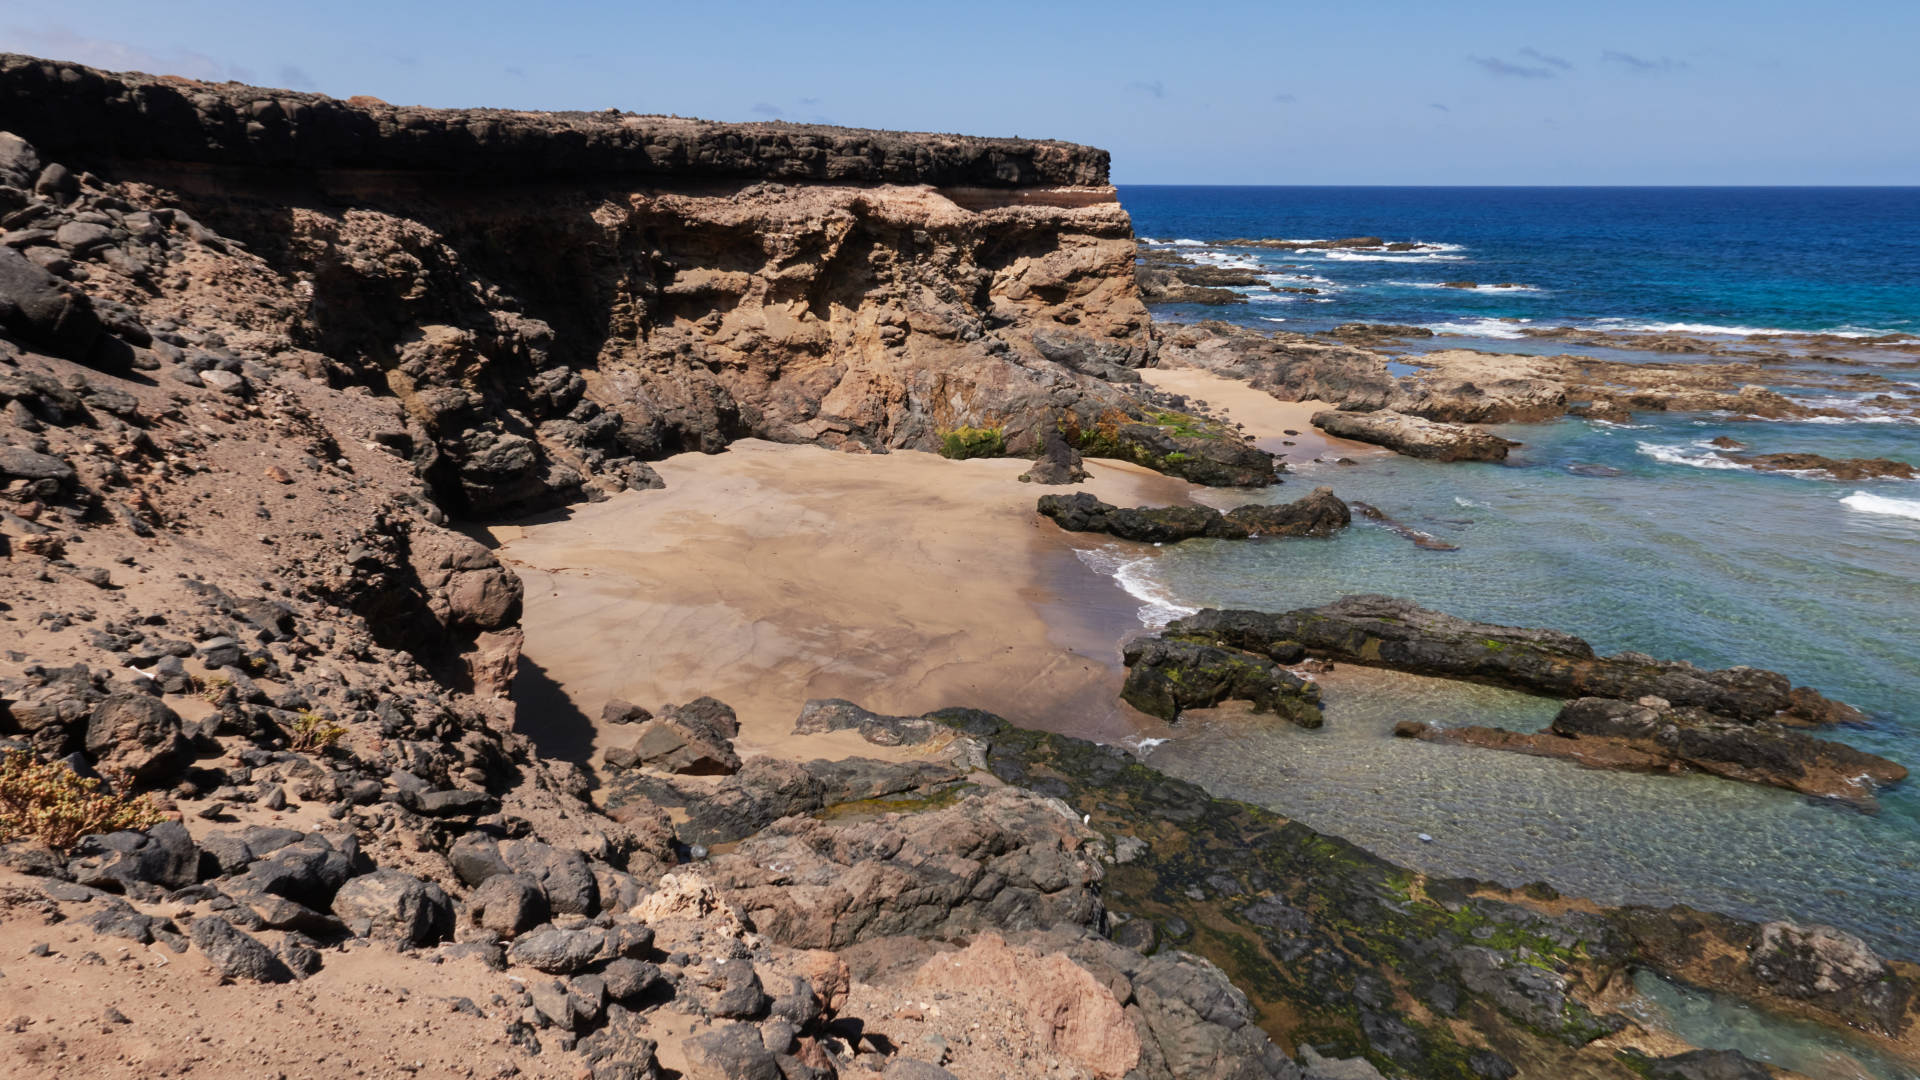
<point x="1361" y="256"/>
<point x="1868" y="503"/>
<point x="1487" y="328"/>
<point x="1158" y="607"/>
<point x="1695" y="456"/>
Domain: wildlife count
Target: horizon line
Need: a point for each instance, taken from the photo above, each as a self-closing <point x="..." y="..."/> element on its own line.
<point x="1552" y="187"/>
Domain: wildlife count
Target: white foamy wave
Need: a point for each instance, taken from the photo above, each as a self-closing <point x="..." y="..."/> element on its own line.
<point x="1405" y="257"/>
<point x="1615" y="425"/>
<point x="1853" y="420"/>
<point x="1189" y="243"/>
<point x="1474" y="288"/>
<point x="1637" y="326"/>
<point x="1694" y="455"/>
<point x="1142" y="745"/>
<point x="1462" y="501"/>
<point x="1487" y="328"/>
<point x="1868" y="503"/>
<point x="1271" y="318"/>
<point x="1131" y="572"/>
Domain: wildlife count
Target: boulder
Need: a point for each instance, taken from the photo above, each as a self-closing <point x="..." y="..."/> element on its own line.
<point x="1059" y="462"/>
<point x="137" y="736"/>
<point x="729" y="1052"/>
<point x="1072" y="1013"/>
<point x="562" y="874"/>
<point x="396" y="906"/>
<point x="508" y="904"/>
<point x="628" y="980"/>
<point x="164" y="855"/>
<point x="1166" y="676"/>
<point x="693" y="739"/>
<point x="556" y="951"/>
<point x="234" y="954"/>
<point x="43" y="310"/>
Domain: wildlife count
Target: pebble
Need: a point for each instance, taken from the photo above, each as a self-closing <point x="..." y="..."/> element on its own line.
<point x="1425" y="839"/>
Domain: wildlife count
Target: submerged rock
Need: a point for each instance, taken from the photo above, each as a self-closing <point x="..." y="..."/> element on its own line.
<point x="1848" y="469"/>
<point x="1651" y="736"/>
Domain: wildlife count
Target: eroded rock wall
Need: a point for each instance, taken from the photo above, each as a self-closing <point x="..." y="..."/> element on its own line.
<point x="557" y="298"/>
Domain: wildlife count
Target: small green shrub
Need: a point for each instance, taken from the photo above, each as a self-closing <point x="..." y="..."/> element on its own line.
<point x="49" y="802"/>
<point x="311" y="731"/>
<point x="973" y="442"/>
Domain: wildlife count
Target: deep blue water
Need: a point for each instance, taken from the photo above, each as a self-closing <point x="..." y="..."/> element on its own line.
<point x="1810" y="259"/>
<point x="1673" y="549"/>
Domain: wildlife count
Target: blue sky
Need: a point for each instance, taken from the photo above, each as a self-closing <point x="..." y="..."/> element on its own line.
<point x="1347" y="92"/>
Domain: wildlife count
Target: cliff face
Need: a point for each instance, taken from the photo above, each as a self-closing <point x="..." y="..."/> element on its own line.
<point x="557" y="298"/>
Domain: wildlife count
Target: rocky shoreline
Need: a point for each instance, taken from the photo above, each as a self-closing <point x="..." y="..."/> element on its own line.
<point x="1627" y="711"/>
<point x="271" y="747"/>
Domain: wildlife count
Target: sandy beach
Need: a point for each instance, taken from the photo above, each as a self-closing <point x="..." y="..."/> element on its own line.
<point x="1265" y="417"/>
<point x="771" y="574"/>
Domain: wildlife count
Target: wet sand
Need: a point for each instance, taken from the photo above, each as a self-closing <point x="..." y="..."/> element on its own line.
<point x="771" y="574"/>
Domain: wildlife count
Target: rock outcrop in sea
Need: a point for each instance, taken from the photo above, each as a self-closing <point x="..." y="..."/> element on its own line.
<point x="1628" y="711"/>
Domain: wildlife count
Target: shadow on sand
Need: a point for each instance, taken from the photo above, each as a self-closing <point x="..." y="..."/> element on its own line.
<point x="543" y="713"/>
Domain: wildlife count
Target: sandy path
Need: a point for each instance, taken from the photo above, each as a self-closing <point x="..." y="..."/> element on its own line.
<point x="769" y="574"/>
<point x="1267" y="418"/>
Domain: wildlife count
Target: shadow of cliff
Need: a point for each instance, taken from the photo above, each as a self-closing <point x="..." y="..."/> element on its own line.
<point x="543" y="713"/>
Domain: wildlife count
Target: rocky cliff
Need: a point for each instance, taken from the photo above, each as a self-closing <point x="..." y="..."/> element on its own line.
<point x="557" y="298"/>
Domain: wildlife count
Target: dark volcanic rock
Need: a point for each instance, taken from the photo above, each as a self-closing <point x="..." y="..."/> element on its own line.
<point x="1083" y="512"/>
<point x="43" y="310"/>
<point x="1318" y="514"/>
<point x="136" y="735"/>
<point x="1393" y="633"/>
<point x="396" y="906"/>
<point x="1166" y="676"/>
<point x="235" y="955"/>
<point x="64" y="107"/>
<point x="695" y="739"/>
<point x="1059" y="462"/>
<point x="1761" y="752"/>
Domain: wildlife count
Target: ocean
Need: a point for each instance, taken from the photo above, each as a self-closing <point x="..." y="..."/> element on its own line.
<point x="1672" y="550"/>
<point x="1838" y="260"/>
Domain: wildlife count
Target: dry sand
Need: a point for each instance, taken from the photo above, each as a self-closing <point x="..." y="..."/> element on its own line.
<point x="1265" y="417"/>
<point x="770" y="574"/>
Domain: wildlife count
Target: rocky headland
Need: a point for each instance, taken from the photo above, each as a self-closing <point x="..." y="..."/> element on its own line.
<point x="1432" y="412"/>
<point x="281" y="795"/>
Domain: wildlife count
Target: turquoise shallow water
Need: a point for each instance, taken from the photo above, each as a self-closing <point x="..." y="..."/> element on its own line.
<point x="1640" y="537"/>
<point x="1697" y="561"/>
